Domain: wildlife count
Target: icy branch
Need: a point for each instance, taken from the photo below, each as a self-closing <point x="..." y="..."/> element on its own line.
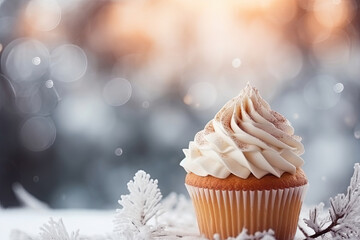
<point x="343" y="219"/>
<point x="138" y="207"/>
<point x="57" y="231"/>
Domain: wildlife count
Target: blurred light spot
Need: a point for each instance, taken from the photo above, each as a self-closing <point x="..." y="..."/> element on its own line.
<point x="117" y="92"/>
<point x="201" y="95"/>
<point x="49" y="83"/>
<point x="319" y="93"/>
<point x="118" y="152"/>
<point x="87" y="116"/>
<point x="44" y="15"/>
<point x="36" y="61"/>
<point x="187" y="99"/>
<point x="38" y="133"/>
<point x="36" y="179"/>
<point x="21" y="59"/>
<point x="333" y="14"/>
<point x="236" y="63"/>
<point x="296" y="116"/>
<point x="146" y="104"/>
<point x="1" y="47"/>
<point x="323" y="178"/>
<point x="338" y="88"/>
<point x="357" y="134"/>
<point x="285" y="62"/>
<point x="68" y="63"/>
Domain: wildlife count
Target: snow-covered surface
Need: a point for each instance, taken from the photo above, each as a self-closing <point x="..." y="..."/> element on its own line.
<point x="144" y="216"/>
<point x="90" y="222"/>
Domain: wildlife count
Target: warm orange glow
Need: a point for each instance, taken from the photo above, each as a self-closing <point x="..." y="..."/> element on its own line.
<point x="163" y="39"/>
<point x="281" y="11"/>
<point x="311" y="30"/>
<point x="335" y="13"/>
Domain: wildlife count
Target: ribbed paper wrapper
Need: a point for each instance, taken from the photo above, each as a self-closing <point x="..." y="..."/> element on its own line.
<point x="228" y="212"/>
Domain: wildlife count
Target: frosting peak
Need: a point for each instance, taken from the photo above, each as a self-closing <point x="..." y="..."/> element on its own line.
<point x="245" y="137"/>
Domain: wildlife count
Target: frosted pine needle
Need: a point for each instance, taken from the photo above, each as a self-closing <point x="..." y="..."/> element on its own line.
<point x="56" y="231"/>
<point x="343" y="219"/>
<point x="139" y="206"/>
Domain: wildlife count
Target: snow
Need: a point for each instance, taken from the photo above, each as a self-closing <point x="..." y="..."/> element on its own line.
<point x="90" y="222"/>
<point x="142" y="217"/>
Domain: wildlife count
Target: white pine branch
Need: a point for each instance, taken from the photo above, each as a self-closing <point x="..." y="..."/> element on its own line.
<point x="138" y="207"/>
<point x="56" y="231"/>
<point x="343" y="220"/>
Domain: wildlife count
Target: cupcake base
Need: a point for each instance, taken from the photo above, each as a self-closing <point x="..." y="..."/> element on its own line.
<point x="227" y="212"/>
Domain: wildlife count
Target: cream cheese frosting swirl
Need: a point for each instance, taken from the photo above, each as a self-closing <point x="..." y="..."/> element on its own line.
<point x="245" y="137"/>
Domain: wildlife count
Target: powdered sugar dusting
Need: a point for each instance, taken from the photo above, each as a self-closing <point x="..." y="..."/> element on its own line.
<point x="279" y="119"/>
<point x="200" y="139"/>
<point x="209" y="128"/>
<point x="226" y="121"/>
<point x="243" y="146"/>
<point x="257" y="127"/>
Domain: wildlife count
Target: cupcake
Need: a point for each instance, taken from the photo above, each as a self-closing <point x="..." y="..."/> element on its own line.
<point x="243" y="170"/>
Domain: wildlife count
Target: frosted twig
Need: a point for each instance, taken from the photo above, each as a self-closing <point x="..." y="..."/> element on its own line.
<point x="343" y="219"/>
<point x="138" y="207"/>
<point x="56" y="231"/>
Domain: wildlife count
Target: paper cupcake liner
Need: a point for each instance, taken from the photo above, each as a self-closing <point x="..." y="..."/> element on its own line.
<point x="228" y="212"/>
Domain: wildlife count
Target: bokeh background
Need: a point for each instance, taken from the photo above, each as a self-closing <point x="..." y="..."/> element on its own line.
<point x="91" y="91"/>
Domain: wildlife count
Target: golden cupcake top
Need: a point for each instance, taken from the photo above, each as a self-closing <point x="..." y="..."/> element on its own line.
<point x="245" y="137"/>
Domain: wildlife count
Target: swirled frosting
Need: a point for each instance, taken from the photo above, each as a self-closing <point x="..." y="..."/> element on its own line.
<point x="245" y="137"/>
